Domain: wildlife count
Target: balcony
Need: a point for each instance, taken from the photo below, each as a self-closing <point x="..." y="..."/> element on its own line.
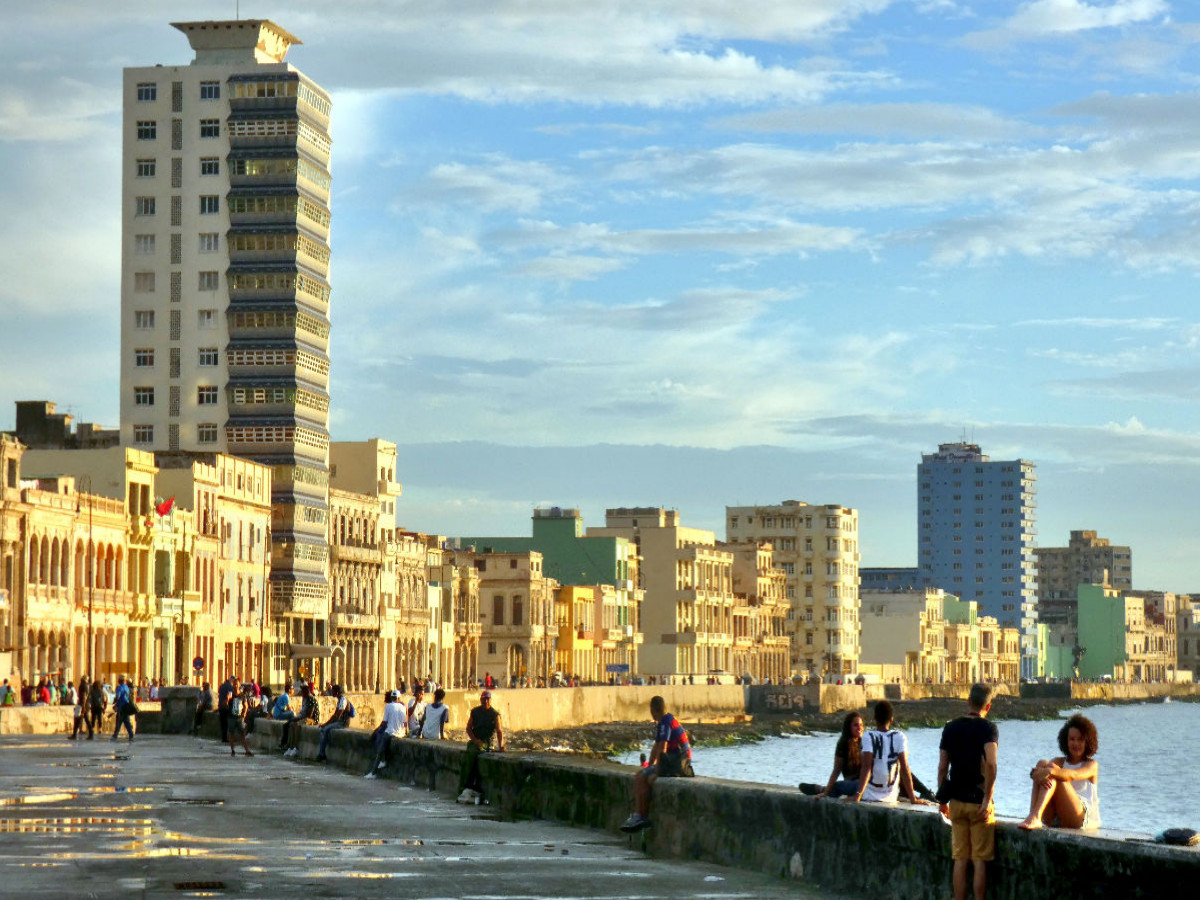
<point x="349" y="618"/>
<point x="367" y="553"/>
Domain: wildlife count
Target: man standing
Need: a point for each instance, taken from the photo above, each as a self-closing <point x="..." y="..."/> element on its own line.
<point x="968" y="757"/>
<point x="671" y="757"/>
<point x="884" y="762"/>
<point x="482" y="725"/>
<point x="225" y="693"/>
<point x="97" y="702"/>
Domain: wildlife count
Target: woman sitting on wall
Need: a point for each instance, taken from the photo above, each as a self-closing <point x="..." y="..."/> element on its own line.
<point x="1065" y="788"/>
<point x="847" y="758"/>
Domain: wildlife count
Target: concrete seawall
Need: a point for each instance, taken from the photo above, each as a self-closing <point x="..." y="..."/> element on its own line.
<point x="844" y="848"/>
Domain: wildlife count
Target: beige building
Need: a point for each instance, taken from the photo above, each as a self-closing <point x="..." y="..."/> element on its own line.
<point x="1087" y="559"/>
<point x="224" y="281"/>
<point x="817" y="548"/>
<point x="761" y="645"/>
<point x="687" y="609"/>
<point x="455" y="581"/>
<point x="1187" y="618"/>
<point x="908" y="629"/>
<point x="519" y="633"/>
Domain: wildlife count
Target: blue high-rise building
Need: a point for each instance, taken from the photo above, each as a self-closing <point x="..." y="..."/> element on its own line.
<point x="976" y="534"/>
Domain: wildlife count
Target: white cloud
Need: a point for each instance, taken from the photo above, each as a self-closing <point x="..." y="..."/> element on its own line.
<point x="1041" y="19"/>
<point x="568" y="268"/>
<point x="498" y="184"/>
<point x="906" y="120"/>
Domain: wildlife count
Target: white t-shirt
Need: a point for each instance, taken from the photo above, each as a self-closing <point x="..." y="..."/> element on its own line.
<point x="394" y="718"/>
<point x="415" y="708"/>
<point x="436" y="714"/>
<point x="883" y="785"/>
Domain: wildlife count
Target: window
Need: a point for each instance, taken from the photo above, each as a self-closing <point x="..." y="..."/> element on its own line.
<point x="498" y="610"/>
<point x="143" y="244"/>
<point x="143" y="318"/>
<point x="210" y="128"/>
<point x="206" y="433"/>
<point x="209" y="242"/>
<point x="208" y="281"/>
<point x="206" y="396"/>
<point x="147" y="131"/>
<point x="518" y="611"/>
<point x="143" y="434"/>
<point x="210" y="165"/>
<point x="208" y="356"/>
<point x="143" y="357"/>
<point x="491" y="648"/>
<point x="147" y="92"/>
<point x="210" y="204"/>
<point x="145" y="168"/>
<point x="143" y="396"/>
<point x="143" y="282"/>
<point x="206" y="318"/>
<point x="210" y="90"/>
<point x="143" y="206"/>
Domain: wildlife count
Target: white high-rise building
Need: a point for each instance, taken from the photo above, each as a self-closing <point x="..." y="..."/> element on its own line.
<point x="224" y="282"/>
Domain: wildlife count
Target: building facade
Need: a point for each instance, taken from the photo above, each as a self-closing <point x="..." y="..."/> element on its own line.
<point x="975" y="535"/>
<point x="224" y="281"/>
<point x="817" y="548"/>
<point x="1087" y="559"/>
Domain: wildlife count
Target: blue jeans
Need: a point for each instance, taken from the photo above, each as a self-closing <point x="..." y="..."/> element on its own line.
<point x="123" y="718"/>
<point x="325" y="732"/>
<point x="844" y="787"/>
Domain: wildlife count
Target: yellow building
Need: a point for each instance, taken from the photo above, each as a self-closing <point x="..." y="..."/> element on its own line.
<point x="817" y="547"/>
<point x="906" y="628"/>
<point x="575" y="652"/>
<point x="761" y="645"/>
<point x="519" y="631"/>
<point x="687" y="610"/>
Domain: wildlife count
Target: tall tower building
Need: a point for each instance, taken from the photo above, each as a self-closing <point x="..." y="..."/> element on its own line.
<point x="224" y="282"/>
<point x="976" y="534"/>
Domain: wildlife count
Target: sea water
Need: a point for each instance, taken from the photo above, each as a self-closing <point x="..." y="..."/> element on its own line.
<point x="1149" y="764"/>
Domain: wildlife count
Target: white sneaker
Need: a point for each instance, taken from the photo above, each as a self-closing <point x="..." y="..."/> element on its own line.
<point x="369" y="775"/>
<point x="292" y="752"/>
<point x="468" y="796"/>
<point x="381" y="765"/>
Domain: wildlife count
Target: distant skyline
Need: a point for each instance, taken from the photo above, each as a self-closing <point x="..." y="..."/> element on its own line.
<point x="691" y="254"/>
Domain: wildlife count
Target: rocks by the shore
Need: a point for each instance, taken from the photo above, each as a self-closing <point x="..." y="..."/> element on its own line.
<point x="616" y="737"/>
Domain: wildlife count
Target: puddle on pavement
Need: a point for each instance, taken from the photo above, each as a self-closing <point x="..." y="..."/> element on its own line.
<point x="76" y="825"/>
<point x="33" y="799"/>
<point x="119" y="789"/>
<point x="195" y="801"/>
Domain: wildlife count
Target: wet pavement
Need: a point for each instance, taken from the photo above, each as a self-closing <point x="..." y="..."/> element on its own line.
<point x="177" y="817"/>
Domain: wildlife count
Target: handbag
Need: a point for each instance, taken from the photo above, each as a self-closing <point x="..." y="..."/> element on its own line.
<point x="131" y="709"/>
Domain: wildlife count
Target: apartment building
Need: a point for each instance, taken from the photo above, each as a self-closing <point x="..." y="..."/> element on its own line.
<point x="817" y="548"/>
<point x="1087" y="559"/>
<point x="761" y="646"/>
<point x="975" y="535"/>
<point x="224" y="281"/>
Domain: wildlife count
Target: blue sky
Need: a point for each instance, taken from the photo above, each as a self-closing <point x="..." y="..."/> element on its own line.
<point x="694" y="253"/>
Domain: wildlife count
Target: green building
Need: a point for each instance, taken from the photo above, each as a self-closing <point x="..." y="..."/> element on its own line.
<point x="1104" y="614"/>
<point x="568" y="556"/>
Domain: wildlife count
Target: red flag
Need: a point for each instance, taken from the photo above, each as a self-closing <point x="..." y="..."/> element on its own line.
<point x="165" y="507"/>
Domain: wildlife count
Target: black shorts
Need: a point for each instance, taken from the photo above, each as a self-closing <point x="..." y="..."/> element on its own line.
<point x="674" y="765"/>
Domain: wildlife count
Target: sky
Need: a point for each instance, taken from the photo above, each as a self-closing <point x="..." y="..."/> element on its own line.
<point x="597" y="253"/>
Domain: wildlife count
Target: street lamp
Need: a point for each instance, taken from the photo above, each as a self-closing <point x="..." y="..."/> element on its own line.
<point x="85" y="482"/>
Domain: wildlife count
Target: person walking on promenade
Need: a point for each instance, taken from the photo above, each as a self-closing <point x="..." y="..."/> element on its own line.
<point x="97" y="702"/>
<point x="204" y="703"/>
<point x="437" y="715"/>
<point x="392" y="725"/>
<point x="885" y="770"/>
<point x="81" y="709"/>
<point x="124" y="707"/>
<point x="966" y="781"/>
<point x="236" y="721"/>
<point x="482" y="725"/>
<point x="227" y="690"/>
<point x="670" y="757"/>
<point x="340" y="718"/>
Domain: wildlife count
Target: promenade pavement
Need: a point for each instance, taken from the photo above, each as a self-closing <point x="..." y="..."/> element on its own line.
<point x="176" y="817"/>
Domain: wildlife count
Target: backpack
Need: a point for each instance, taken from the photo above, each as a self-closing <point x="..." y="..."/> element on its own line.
<point x="348" y="713"/>
<point x="885" y="767"/>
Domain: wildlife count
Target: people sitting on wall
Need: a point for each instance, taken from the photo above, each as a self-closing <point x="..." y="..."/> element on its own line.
<point x="885" y="772"/>
<point x="1065" y="789"/>
<point x="483" y="725"/>
<point x="670" y="757"/>
<point x="847" y="762"/>
<point x="340" y="718"/>
<point x="393" y="724"/>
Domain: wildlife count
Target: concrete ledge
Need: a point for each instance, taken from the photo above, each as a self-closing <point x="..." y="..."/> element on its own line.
<point x="846" y="848"/>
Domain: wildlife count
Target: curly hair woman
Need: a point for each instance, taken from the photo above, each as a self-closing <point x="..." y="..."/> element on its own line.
<point x="1065" y="788"/>
<point x="847" y="756"/>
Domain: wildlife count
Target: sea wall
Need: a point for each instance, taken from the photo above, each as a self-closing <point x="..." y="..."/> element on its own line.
<point x="1107" y="690"/>
<point x="845" y="848"/>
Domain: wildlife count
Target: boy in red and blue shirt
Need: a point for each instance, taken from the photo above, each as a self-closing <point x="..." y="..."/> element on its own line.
<point x="671" y="757"/>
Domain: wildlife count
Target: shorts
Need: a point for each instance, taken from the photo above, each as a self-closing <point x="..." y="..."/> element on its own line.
<point x="970" y="838"/>
<point x="1091" y="818"/>
<point x="672" y="765"/>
